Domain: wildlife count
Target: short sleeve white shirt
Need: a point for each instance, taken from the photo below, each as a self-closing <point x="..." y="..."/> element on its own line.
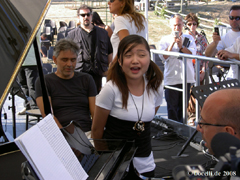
<point x="110" y="98"/>
<point x="173" y="66"/>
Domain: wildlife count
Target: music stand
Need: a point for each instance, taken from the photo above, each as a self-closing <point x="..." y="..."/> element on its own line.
<point x="201" y="93"/>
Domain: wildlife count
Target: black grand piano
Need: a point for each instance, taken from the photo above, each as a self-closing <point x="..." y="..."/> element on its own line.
<point x="20" y="21"/>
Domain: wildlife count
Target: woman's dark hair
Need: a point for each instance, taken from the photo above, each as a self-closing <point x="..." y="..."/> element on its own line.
<point x="153" y="75"/>
<point x="96" y="19"/>
<point x="192" y="17"/>
<point x="129" y="10"/>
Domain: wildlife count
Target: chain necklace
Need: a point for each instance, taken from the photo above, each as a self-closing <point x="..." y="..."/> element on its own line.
<point x="139" y="125"/>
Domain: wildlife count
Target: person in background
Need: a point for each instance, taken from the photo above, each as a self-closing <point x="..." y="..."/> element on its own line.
<point x="95" y="46"/>
<point x="27" y="76"/>
<point x="72" y="94"/>
<point x="127" y="21"/>
<point x="97" y="21"/>
<point x="192" y="23"/>
<point x="129" y="100"/>
<point x="227" y="40"/>
<point x="173" y="66"/>
<point x="43" y="37"/>
<point x="220" y="113"/>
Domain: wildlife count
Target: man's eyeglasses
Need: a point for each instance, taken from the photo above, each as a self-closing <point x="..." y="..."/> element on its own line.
<point x="83" y="15"/>
<point x="111" y="1"/>
<point x="201" y="124"/>
<point x="237" y="18"/>
<point x="208" y="124"/>
<point x="190" y="24"/>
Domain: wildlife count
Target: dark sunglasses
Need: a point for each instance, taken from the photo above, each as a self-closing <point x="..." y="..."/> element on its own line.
<point x="237" y="18"/>
<point x="190" y="24"/>
<point x="111" y="1"/>
<point x="83" y="15"/>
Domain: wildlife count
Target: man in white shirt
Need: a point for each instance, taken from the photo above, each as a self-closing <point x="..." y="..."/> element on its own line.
<point x="232" y="52"/>
<point x="227" y="40"/>
<point x="173" y="66"/>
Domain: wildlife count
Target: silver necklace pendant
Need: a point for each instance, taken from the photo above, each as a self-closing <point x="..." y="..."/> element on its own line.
<point x="139" y="126"/>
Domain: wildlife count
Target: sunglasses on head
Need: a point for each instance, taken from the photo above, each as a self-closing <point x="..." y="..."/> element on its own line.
<point x="83" y="15"/>
<point x="190" y="24"/>
<point x="111" y="1"/>
<point x="237" y="18"/>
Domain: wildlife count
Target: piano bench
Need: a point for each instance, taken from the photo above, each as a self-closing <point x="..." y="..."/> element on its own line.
<point x="35" y="113"/>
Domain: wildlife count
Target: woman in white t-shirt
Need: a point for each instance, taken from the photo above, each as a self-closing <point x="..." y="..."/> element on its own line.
<point x="127" y="21"/>
<point x="129" y="100"/>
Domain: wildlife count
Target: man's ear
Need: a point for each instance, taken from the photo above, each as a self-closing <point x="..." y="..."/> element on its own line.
<point x="54" y="59"/>
<point x="230" y="130"/>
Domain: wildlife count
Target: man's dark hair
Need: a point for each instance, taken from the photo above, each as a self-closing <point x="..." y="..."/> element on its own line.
<point x="84" y="6"/>
<point x="44" y="35"/>
<point x="235" y="7"/>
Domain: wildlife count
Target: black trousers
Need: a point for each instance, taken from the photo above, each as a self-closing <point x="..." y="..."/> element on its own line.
<point x="174" y="102"/>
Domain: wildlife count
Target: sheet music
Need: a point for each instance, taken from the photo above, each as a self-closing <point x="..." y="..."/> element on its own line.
<point x="49" y="152"/>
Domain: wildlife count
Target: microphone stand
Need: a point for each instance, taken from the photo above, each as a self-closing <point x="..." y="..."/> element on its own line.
<point x="186" y="144"/>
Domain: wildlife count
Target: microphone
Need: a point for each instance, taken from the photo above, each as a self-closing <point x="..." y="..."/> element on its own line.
<point x="221" y="143"/>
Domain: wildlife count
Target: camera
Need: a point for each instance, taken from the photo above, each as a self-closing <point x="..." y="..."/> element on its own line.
<point x="186" y="42"/>
<point x="176" y="33"/>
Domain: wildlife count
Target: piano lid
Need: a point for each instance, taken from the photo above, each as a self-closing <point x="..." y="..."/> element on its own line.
<point x="20" y="20"/>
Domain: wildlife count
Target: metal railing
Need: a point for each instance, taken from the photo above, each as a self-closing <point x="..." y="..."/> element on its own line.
<point x="184" y="72"/>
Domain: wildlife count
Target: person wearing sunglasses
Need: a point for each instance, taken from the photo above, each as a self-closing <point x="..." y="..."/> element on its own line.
<point x="127" y="21"/>
<point x="220" y="113"/>
<point x="173" y="66"/>
<point x="95" y="46"/>
<point x="192" y="23"/>
<point x="226" y="40"/>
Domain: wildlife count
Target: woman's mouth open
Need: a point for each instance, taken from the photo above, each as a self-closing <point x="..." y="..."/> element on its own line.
<point x="135" y="69"/>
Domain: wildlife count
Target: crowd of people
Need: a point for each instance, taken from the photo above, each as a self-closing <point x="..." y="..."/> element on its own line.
<point x="134" y="89"/>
